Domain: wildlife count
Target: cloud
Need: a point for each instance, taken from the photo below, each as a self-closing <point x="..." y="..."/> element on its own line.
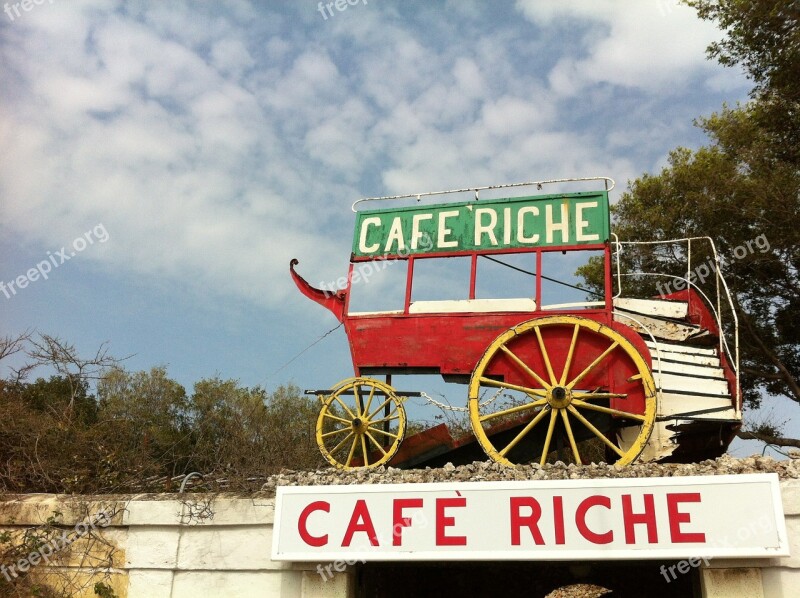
<point x="217" y="142"/>
<point x="645" y="45"/>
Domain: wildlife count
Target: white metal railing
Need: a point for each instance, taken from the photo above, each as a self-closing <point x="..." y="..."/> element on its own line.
<point x="721" y="288"/>
<point x="477" y="190"/>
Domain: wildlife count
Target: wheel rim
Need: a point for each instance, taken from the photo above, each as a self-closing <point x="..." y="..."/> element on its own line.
<point x="562" y="378"/>
<point x="361" y="424"/>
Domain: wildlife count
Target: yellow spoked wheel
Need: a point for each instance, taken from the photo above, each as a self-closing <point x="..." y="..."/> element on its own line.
<point x="361" y="424"/>
<point x="566" y="388"/>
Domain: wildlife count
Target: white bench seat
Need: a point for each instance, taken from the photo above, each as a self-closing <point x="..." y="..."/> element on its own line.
<point x="471" y="305"/>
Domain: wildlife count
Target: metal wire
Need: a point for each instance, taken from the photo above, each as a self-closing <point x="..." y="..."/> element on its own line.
<point x="306" y="349"/>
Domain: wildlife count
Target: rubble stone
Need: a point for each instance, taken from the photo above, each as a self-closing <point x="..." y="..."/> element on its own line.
<point x="483" y="471"/>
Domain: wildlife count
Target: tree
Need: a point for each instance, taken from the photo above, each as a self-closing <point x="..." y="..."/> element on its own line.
<point x="144" y="417"/>
<point x="78" y="372"/>
<point x="743" y="190"/>
<point x="763" y="36"/>
<point x="246" y="431"/>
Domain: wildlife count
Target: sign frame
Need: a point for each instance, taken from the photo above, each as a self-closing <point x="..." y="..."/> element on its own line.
<point x="506" y="224"/>
<point x="723" y="486"/>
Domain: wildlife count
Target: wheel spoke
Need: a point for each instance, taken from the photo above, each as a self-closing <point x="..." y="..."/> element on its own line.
<point x="345" y="407"/>
<point x="571" y="436"/>
<point x="339" y="431"/>
<point x="524" y="432"/>
<point x="337" y="418"/>
<point x="525" y="367"/>
<point x="364" y="450"/>
<point x="594" y="430"/>
<point x="352" y="451"/>
<point x="375" y="442"/>
<point x="338" y="446"/>
<point x="385" y="433"/>
<point x="392" y="416"/>
<point x="570" y="355"/>
<point x="592" y="365"/>
<point x="369" y="399"/>
<point x="545" y="356"/>
<point x="381" y="406"/>
<point x="601" y="409"/>
<point x="515" y="409"/>
<point x="549" y="437"/>
<point x="527" y="390"/>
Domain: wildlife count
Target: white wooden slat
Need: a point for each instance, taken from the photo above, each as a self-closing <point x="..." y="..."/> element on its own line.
<point x="654" y="307"/>
<point x="675" y="348"/>
<point x="676" y="361"/>
<point x="673" y="404"/>
<point x="690" y="369"/>
<point x="693" y="384"/>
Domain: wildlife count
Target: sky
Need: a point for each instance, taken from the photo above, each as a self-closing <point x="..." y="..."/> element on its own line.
<point x="168" y="159"/>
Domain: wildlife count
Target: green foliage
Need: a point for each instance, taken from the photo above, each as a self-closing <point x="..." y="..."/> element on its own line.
<point x="245" y="431"/>
<point x="144" y="417"/>
<point x="742" y="189"/>
<point x="57" y="392"/>
<point x="763" y="36"/>
<point x="104" y="590"/>
<point x="143" y="429"/>
<point x="17" y="546"/>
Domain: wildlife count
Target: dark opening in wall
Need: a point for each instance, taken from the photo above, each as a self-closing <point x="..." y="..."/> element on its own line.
<point x="634" y="579"/>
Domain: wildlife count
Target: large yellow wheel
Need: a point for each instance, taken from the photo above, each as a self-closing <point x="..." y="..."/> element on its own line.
<point x="361" y="424"/>
<point x="567" y="388"/>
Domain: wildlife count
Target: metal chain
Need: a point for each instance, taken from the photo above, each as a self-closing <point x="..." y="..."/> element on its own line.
<point x="446" y="407"/>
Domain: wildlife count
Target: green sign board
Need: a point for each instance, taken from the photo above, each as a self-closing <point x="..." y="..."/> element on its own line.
<point x="497" y="224"/>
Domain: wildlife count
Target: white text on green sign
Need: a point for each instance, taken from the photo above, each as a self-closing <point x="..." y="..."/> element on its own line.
<point x="549" y="221"/>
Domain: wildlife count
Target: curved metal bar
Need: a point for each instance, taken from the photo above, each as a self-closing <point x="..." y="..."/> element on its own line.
<point x="187" y="478"/>
<point x="477" y="189"/>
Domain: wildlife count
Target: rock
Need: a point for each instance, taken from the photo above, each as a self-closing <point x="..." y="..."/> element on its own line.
<point x="480" y="471"/>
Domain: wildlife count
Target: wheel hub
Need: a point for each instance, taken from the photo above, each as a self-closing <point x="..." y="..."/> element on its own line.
<point x="559" y="397"/>
<point x="358" y="424"/>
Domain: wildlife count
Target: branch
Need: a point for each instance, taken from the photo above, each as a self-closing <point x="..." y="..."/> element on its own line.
<point x="777" y="441"/>
<point x="792" y="386"/>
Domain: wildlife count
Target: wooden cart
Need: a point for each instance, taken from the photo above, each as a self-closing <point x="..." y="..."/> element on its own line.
<point x="640" y="377"/>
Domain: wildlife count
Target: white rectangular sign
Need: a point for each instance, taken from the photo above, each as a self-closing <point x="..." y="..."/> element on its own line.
<point x="622" y="518"/>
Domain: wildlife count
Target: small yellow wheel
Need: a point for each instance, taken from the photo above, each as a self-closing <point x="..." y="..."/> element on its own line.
<point x="361" y="424"/>
<point x="569" y="388"/>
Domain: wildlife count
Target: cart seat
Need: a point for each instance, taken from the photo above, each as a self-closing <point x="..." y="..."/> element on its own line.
<point x="472" y="305"/>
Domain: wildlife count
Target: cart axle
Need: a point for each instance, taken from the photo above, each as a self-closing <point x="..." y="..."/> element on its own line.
<point x="399" y="393"/>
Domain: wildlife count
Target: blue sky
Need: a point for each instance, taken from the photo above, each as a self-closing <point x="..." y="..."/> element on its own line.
<point x="201" y="146"/>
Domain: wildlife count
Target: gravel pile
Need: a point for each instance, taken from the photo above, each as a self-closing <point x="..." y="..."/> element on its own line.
<point x="485" y="471"/>
<point x="580" y="590"/>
